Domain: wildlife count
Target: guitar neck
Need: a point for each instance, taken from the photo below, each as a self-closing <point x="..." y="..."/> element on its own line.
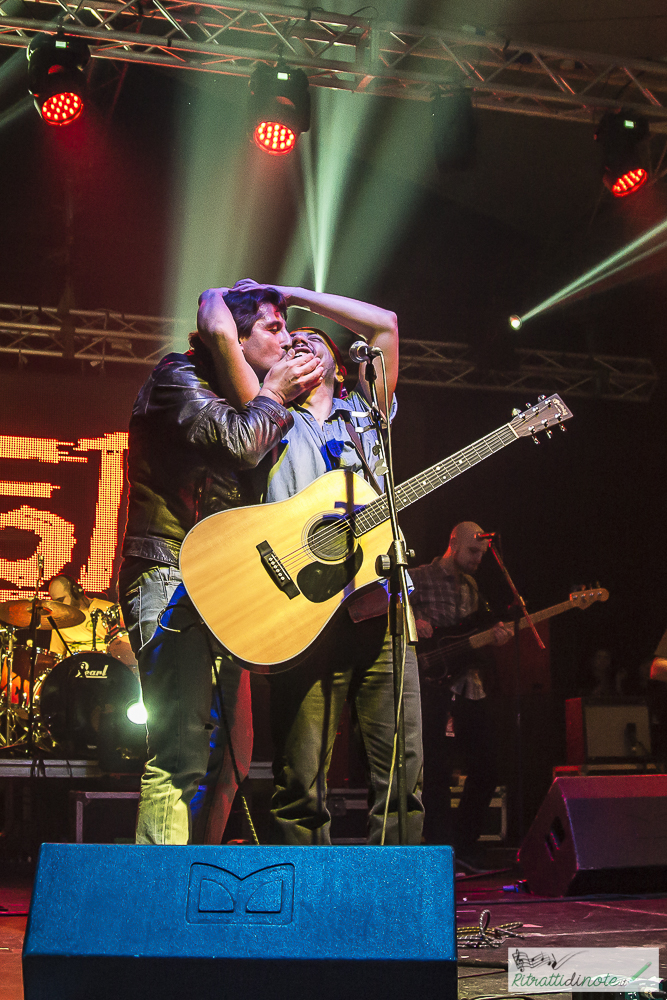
<point x="442" y="472"/>
<point x="480" y="639"/>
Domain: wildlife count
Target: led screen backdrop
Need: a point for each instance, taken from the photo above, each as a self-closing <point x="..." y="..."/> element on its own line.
<point x="63" y="491"/>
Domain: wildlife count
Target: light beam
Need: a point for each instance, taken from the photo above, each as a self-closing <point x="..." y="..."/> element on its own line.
<point x="613" y="264"/>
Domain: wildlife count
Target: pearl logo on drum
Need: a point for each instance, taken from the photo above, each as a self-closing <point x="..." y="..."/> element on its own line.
<point x="85" y="670"/>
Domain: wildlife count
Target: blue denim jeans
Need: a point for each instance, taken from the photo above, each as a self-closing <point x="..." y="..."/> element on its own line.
<point x="189" y="781"/>
<point x="353" y="663"/>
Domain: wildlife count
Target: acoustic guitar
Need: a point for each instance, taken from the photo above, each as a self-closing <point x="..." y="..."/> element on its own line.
<point x="267" y="579"/>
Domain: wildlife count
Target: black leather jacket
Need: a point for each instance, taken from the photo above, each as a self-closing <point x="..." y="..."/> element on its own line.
<point x="190" y="455"/>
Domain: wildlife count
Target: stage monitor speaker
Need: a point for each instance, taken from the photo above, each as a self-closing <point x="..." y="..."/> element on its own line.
<point x="240" y="923"/>
<point x="599" y="834"/>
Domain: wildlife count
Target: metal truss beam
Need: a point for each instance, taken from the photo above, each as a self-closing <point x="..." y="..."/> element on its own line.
<point x="86" y="335"/>
<point x="603" y="376"/>
<point x="104" y="336"/>
<point x="355" y="54"/>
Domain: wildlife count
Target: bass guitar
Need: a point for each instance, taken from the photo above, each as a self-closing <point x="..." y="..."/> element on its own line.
<point x="267" y="579"/>
<point x="444" y="657"/>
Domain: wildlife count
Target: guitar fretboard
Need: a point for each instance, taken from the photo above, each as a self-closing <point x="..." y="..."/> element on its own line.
<point x="425" y="482"/>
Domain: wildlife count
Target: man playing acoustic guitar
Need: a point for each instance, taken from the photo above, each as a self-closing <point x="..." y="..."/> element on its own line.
<point x="352" y="660"/>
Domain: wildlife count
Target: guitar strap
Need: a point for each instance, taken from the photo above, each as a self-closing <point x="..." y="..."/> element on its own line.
<point x="356" y="441"/>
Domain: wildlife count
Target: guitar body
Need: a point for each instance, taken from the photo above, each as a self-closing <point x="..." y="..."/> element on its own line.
<point x="240" y="599"/>
<point x="449" y="652"/>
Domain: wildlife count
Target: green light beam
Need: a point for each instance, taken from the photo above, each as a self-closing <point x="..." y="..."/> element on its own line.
<point x="327" y="156"/>
<point x="602" y="271"/>
<point x="16" y="110"/>
<point x="219" y="194"/>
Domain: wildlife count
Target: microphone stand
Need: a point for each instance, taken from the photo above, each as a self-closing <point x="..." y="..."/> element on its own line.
<point x="518" y="608"/>
<point x="394" y="565"/>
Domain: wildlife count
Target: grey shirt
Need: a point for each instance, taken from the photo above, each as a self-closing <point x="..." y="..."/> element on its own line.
<point x="307" y="451"/>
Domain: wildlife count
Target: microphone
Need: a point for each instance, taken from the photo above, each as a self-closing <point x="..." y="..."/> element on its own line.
<point x="484" y="536"/>
<point x="361" y="351"/>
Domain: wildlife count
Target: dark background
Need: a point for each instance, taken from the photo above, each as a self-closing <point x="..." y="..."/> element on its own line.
<point x="88" y="216"/>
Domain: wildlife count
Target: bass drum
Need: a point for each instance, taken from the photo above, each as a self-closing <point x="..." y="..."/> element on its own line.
<point x="84" y="703"/>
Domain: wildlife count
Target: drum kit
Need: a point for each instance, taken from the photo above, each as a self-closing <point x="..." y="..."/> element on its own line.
<point x="74" y="705"/>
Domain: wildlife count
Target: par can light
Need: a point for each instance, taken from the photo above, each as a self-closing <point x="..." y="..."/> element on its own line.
<point x="621" y="135"/>
<point x="56" y="78"/>
<point x="279" y="107"/>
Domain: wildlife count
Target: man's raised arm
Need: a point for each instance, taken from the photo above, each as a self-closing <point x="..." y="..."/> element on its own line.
<point x="376" y="325"/>
<point x="237" y="381"/>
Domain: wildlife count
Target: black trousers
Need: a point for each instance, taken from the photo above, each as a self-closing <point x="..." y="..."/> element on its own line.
<point x="473" y="749"/>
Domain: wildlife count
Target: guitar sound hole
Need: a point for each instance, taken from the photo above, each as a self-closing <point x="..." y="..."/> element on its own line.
<point x="331" y="539"/>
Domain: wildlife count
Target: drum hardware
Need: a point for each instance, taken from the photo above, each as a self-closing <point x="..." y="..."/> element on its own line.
<point x="81" y="704"/>
<point x="117" y="640"/>
<point x="95" y="616"/>
<point x="31" y="614"/>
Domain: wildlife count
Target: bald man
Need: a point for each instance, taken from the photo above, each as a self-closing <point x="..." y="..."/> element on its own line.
<point x="446" y="594"/>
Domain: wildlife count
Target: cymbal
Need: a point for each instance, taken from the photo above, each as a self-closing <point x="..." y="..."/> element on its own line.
<point x="18" y="613"/>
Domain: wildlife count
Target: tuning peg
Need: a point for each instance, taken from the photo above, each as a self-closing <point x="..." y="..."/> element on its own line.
<point x="536" y="439"/>
<point x="516" y="412"/>
<point x="549" y="434"/>
<point x="540" y="399"/>
<point x="563" y="428"/>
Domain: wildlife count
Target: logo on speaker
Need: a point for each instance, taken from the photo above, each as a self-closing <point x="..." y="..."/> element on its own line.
<point x="216" y="895"/>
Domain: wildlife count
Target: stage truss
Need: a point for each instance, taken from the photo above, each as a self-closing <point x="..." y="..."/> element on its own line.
<point x="104" y="337"/>
<point x="354" y="54"/>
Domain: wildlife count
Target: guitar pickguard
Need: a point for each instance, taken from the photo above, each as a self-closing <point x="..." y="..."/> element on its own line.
<point x="318" y="582"/>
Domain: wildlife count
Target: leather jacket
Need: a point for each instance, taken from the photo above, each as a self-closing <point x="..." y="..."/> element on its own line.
<point x="190" y="454"/>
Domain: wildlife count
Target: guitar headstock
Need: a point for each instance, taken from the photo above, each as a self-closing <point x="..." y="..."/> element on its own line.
<point x="586" y="597"/>
<point x="545" y="414"/>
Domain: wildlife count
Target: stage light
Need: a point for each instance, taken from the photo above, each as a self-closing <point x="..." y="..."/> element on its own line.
<point x="56" y="78"/>
<point x="279" y="107"/>
<point x="136" y="713"/>
<point x="516" y="322"/>
<point x="620" y="135"/>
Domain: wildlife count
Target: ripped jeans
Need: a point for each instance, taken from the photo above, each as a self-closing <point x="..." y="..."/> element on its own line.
<point x="189" y="781"/>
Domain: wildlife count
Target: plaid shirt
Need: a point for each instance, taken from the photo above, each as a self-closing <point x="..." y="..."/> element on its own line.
<point x="439" y="600"/>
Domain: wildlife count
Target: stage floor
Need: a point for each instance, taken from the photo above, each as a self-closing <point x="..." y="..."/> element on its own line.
<point x="597" y="921"/>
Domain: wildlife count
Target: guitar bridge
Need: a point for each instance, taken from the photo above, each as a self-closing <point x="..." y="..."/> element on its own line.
<point x="277" y="571"/>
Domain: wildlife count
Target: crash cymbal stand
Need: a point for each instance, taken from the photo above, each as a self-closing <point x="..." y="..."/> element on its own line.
<point x="8" y="652"/>
<point x="32" y="639"/>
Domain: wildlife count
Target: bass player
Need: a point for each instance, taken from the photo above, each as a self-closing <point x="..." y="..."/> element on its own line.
<point x="446" y="593"/>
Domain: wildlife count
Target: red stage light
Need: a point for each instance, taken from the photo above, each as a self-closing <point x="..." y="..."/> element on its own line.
<point x="629" y="182"/>
<point x="274" y="138"/>
<point x="61" y="109"/>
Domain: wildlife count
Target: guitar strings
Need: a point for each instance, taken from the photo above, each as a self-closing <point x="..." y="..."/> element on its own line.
<point x="407" y="493"/>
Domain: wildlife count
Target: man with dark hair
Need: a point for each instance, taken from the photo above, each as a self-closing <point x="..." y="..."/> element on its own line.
<point x="353" y="661"/>
<point x="191" y="453"/>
